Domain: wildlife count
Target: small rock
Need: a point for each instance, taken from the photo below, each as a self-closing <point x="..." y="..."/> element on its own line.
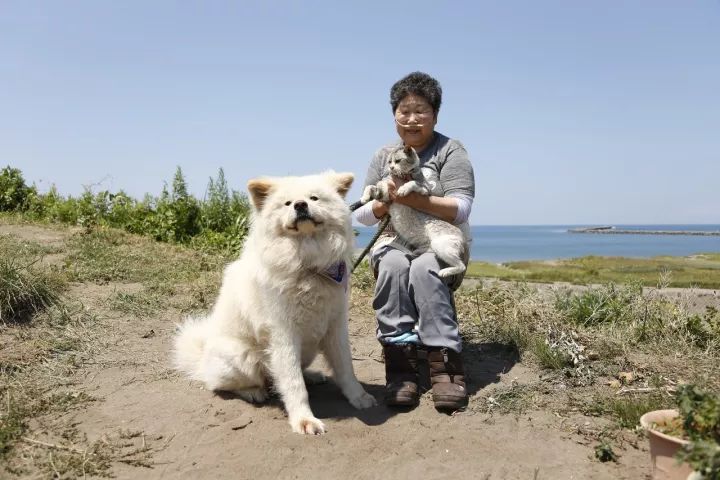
<point x="591" y="355"/>
<point x="626" y="377"/>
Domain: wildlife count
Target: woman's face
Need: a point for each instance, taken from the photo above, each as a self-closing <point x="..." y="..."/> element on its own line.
<point x="415" y="121"/>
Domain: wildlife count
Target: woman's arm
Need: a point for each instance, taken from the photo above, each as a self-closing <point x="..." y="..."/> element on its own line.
<point x="379" y="209"/>
<point x="445" y="208"/>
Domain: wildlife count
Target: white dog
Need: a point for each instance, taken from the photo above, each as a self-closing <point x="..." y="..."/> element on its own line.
<point x="284" y="299"/>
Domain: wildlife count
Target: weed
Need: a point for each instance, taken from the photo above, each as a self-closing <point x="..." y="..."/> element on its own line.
<point x="604" y="451"/>
<point x="549" y="357"/>
<point x="605" y="305"/>
<point x="627" y="411"/>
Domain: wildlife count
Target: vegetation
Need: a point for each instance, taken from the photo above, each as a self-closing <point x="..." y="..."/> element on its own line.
<point x="700" y="414"/>
<point x="25" y="289"/>
<point x="217" y="223"/>
<point x="700" y="271"/>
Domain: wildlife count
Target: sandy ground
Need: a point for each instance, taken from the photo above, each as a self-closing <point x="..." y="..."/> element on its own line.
<point x="194" y="433"/>
<point x="198" y="434"/>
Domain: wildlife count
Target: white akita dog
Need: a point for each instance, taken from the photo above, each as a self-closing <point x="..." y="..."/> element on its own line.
<point x="282" y="301"/>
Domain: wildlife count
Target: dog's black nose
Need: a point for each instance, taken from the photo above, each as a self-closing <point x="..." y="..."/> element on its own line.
<point x="300" y="206"/>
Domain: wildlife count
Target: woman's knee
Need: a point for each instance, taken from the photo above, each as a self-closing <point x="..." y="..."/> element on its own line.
<point x="391" y="261"/>
<point x="424" y="266"/>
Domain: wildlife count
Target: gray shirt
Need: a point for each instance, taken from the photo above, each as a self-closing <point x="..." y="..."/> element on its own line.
<point x="444" y="162"/>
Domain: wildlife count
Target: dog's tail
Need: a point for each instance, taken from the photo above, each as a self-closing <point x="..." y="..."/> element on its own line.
<point x="189" y="345"/>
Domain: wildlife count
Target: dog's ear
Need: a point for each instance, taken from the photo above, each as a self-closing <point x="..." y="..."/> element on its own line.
<point x="342" y="182"/>
<point x="259" y="189"/>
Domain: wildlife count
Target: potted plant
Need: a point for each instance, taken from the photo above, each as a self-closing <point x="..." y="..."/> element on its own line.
<point x="685" y="443"/>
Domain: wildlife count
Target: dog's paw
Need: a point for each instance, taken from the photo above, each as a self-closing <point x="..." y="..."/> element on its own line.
<point x="253" y="395"/>
<point x="364" y="400"/>
<point x="308" y="426"/>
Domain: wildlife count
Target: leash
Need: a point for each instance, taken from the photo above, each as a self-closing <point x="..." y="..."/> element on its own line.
<point x="381" y="228"/>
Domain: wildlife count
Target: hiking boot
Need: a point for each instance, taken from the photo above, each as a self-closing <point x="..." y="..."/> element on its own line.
<point x="401" y="375"/>
<point x="447" y="376"/>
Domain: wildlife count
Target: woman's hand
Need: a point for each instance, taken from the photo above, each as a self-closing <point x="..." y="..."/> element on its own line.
<point x="393" y="184"/>
<point x="381" y="208"/>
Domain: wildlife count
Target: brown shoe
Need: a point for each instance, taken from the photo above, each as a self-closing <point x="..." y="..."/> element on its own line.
<point x="447" y="376"/>
<point x="401" y="376"/>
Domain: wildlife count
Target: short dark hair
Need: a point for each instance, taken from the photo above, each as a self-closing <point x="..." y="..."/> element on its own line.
<point x="417" y="83"/>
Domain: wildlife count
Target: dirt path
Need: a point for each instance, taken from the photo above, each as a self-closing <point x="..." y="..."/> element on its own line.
<point x="193" y="433"/>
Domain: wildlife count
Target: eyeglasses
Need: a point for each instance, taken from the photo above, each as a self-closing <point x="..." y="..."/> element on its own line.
<point x="403" y="118"/>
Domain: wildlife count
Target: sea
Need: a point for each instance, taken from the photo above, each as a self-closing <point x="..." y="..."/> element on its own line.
<point x="500" y="244"/>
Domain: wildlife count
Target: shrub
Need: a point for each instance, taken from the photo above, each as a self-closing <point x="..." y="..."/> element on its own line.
<point x="597" y="306"/>
<point x="219" y="223"/>
<point x="13" y="191"/>
<point x="700" y="413"/>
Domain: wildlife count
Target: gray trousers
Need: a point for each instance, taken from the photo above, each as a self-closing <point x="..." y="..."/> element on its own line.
<point x="409" y="293"/>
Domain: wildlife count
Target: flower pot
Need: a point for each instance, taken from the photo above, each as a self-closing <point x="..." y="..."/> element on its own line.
<point x="663" y="447"/>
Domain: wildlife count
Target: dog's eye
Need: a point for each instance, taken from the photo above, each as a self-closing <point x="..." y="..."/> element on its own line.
<point x="288" y="203"/>
<point x="314" y="198"/>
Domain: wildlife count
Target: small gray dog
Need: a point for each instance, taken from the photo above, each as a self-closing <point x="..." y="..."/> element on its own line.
<point x="422" y="230"/>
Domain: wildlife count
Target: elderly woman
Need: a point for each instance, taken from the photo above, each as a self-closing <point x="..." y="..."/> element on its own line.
<point x="413" y="305"/>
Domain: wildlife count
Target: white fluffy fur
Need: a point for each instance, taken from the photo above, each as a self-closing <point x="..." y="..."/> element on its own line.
<point x="422" y="230"/>
<point x="275" y="311"/>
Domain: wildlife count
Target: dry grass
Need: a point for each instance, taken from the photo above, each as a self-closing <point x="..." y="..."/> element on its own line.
<point x="25" y="287"/>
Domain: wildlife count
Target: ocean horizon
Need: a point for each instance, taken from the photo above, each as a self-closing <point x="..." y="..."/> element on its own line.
<point x="507" y="243"/>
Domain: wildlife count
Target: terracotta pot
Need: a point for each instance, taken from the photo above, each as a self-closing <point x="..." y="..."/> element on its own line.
<point x="663" y="447"/>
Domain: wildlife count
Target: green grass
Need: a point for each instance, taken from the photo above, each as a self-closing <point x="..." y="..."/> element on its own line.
<point x="702" y="270"/>
<point x="628" y="410"/>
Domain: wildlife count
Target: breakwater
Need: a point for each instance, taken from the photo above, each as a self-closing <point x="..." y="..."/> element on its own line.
<point x="617" y="231"/>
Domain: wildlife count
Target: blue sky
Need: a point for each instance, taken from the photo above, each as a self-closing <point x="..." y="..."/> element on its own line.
<point x="572" y="112"/>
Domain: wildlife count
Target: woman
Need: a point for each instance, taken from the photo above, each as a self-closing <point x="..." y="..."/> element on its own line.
<point x="414" y="307"/>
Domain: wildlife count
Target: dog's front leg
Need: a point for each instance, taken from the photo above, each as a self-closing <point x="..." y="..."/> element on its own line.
<point x="285" y="363"/>
<point x="408" y="187"/>
<point x="336" y="348"/>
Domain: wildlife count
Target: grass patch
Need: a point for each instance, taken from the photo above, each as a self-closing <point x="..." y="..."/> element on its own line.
<point x="25" y="287"/>
<point x="513" y="399"/>
<point x="604" y="305"/>
<point x="628" y="410"/>
<point x="109" y="255"/>
<point x="141" y="304"/>
<point x="549" y="357"/>
<point x="701" y="270"/>
<point x="36" y="359"/>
